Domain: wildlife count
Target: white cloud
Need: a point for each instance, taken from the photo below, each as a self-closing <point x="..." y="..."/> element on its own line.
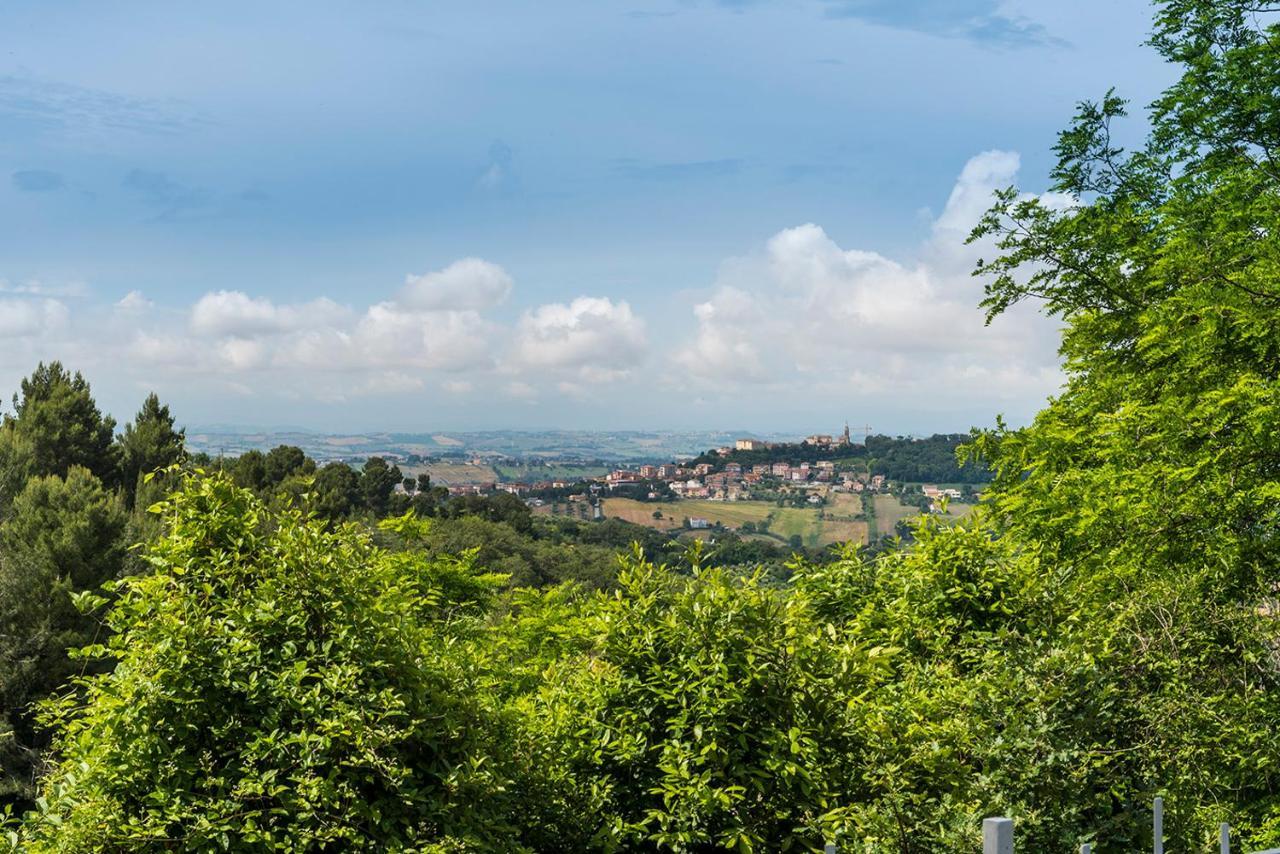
<point x="846" y="321"/>
<point x="468" y="284"/>
<point x="596" y="337"/>
<point x="133" y="302"/>
<point x="23" y="318"/>
<point x="390" y="383"/>
<point x="802" y="325"/>
<point x="35" y="287"/>
<point x="520" y="390"/>
<point x="437" y="332"/>
<point x="236" y="313"/>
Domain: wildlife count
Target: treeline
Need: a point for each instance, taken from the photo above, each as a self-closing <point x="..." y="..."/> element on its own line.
<point x="74" y="501"/>
<point x="929" y="460"/>
<point x="73" y="494"/>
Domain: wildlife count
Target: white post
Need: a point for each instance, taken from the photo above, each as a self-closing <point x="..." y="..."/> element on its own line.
<point x="1157" y="825"/>
<point x="1086" y="848"/>
<point x="1224" y="838"/>
<point x="830" y="848"/>
<point x="997" y="836"/>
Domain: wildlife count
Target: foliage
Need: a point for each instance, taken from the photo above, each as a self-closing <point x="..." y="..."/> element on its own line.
<point x="279" y="686"/>
<point x="337" y="491"/>
<point x="1149" y="485"/>
<point x="150" y="443"/>
<point x="61" y="537"/>
<point x="902" y="458"/>
<point x="377" y="482"/>
<point x="57" y="425"/>
<point x="711" y="714"/>
<point x="1100" y="631"/>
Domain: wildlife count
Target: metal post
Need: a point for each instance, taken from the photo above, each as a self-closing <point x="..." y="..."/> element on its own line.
<point x="1224" y="838"/>
<point x="1157" y="825"/>
<point x="997" y="836"/>
<point x="830" y="848"/>
<point x="1086" y="848"/>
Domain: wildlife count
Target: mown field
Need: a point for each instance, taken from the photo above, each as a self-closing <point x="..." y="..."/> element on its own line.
<point x="889" y="510"/>
<point x="534" y="473"/>
<point x="783" y="522"/>
<point x="453" y="474"/>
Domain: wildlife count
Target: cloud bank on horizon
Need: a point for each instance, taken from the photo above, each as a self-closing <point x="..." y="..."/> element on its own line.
<point x="799" y="317"/>
<point x="672" y="213"/>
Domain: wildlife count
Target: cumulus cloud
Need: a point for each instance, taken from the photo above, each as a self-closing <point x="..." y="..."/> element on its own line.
<point x="803" y="322"/>
<point x="133" y="302"/>
<point x="438" y="331"/>
<point x="237" y="313"/>
<point x="852" y="320"/>
<point x="593" y="336"/>
<point x="471" y="283"/>
<point x="22" y="318"/>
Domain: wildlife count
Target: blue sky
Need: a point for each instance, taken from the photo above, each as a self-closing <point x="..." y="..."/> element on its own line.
<point x="411" y="216"/>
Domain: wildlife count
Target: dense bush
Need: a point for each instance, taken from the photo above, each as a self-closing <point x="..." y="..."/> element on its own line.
<point x="277" y="686"/>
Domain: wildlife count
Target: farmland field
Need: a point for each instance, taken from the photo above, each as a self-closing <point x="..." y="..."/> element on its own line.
<point x="533" y="473"/>
<point x="452" y="474"/>
<point x="783" y="522"/>
<point x="889" y="510"/>
<point x="844" y="504"/>
<point x="641" y="513"/>
<point x="833" y="531"/>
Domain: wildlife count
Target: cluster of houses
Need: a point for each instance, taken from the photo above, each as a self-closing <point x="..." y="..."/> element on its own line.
<point x="733" y="481"/>
<point x="730" y="482"/>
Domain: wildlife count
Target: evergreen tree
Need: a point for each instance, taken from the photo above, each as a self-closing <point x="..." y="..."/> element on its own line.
<point x="56" y="419"/>
<point x="148" y="444"/>
<point x="337" y="490"/>
<point x="377" y="482"/>
<point x="61" y="537"/>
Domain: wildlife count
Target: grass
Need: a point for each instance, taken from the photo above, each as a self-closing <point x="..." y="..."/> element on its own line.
<point x="533" y="474"/>
<point x="641" y="513"/>
<point x="844" y="505"/>
<point x="889" y="511"/>
<point x="452" y="474"/>
<point x="731" y="514"/>
<point x="834" y="531"/>
<point x="783" y="522"/>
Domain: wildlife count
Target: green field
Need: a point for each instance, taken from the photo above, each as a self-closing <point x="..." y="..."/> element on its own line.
<point x="535" y="473"/>
<point x="783" y="522"/>
<point x="889" y="510"/>
<point x="452" y="474"/>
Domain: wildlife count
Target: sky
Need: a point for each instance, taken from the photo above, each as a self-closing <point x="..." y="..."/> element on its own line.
<point x="410" y="216"/>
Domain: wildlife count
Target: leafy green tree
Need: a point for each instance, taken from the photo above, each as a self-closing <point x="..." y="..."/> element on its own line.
<point x="148" y="444"/>
<point x="1147" y="487"/>
<point x="501" y="507"/>
<point x="250" y="471"/>
<point x="58" y="425"/>
<point x="710" y="714"/>
<point x="337" y="489"/>
<point x="61" y="537"/>
<point x="284" y="461"/>
<point x="377" y="482"/>
<point x="17" y="464"/>
<point x="279" y="686"/>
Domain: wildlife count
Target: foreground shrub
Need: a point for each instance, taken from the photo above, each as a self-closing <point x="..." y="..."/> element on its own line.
<point x="277" y="687"/>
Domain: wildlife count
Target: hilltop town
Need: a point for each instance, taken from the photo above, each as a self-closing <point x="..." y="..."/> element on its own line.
<point x="820" y="490"/>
